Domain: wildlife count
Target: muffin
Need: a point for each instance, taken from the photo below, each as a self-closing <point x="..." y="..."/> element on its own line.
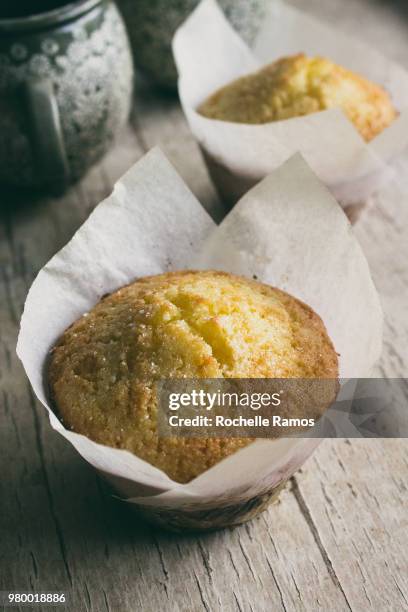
<point x="299" y="85"/>
<point x="104" y="369"/>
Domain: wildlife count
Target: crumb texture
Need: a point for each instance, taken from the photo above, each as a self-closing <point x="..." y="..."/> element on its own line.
<point x="299" y="85"/>
<point x="103" y="371"/>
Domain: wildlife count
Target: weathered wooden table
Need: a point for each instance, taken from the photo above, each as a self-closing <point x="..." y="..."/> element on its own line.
<point x="338" y="539"/>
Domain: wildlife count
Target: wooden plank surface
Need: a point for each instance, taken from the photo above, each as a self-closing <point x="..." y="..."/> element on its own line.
<point x="338" y="539"/>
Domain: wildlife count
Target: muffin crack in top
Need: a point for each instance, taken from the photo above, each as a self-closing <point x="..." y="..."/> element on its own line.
<point x="104" y="369"/>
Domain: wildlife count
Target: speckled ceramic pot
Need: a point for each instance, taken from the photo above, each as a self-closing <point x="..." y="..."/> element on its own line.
<point x="66" y="79"/>
<point x="152" y="23"/>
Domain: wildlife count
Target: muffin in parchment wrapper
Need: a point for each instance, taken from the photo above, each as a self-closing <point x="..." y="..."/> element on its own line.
<point x="288" y="231"/>
<point x="210" y="54"/>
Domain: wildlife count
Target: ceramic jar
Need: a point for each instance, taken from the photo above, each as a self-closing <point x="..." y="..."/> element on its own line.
<point x="66" y="79"/>
<point x="152" y="23"/>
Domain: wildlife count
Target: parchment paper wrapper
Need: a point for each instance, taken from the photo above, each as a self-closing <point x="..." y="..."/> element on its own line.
<point x="210" y="54"/>
<point x="288" y="231"/>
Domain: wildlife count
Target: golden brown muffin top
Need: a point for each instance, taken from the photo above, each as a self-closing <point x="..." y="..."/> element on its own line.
<point x="104" y="369"/>
<point x="299" y="85"/>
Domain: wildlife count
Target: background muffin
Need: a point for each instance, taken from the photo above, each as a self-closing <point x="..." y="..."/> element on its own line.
<point x="299" y="85"/>
<point x="104" y="369"/>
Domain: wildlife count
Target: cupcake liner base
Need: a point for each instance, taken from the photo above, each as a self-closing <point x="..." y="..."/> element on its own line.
<point x="211" y="518"/>
<point x="232" y="187"/>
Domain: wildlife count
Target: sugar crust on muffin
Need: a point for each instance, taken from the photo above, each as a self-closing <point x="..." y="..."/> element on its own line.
<point x="104" y="369"/>
<point x="299" y="85"/>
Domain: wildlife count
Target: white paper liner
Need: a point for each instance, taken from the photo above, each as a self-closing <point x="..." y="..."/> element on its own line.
<point x="288" y="231"/>
<point x="210" y="54"/>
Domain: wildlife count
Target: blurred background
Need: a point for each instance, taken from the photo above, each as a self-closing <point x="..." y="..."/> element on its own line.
<point x="73" y="73"/>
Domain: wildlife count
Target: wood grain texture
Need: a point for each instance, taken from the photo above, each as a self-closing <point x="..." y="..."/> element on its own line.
<point x="338" y="539"/>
